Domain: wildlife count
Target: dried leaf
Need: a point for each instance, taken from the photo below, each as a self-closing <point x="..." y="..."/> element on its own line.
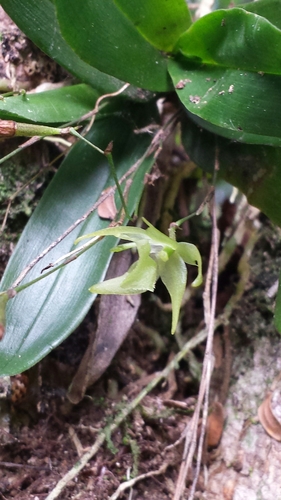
<point x="116" y="316"/>
<point x="215" y="425"/>
<point x="107" y="209"/>
<point x="268" y="420"/>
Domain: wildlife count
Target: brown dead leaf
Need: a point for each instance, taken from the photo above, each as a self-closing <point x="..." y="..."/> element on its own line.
<point x="215" y="425"/>
<point x="268" y="420"/>
<point x="107" y="209"/>
<point x="116" y="316"/>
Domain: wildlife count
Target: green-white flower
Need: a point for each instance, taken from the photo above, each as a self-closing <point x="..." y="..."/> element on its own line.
<point x="160" y="256"/>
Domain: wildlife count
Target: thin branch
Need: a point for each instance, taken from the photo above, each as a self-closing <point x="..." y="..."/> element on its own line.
<point x="131" y="482"/>
<point x="207" y="372"/>
<point x="12" y="465"/>
<point x="209" y="296"/>
<point x="26" y="144"/>
<point x="92" y="114"/>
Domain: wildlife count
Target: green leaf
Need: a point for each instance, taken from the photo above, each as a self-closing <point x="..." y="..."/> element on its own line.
<point x="54" y="106"/>
<point x="161" y="23"/>
<point x="236" y="104"/>
<point x="105" y="38"/>
<point x="3" y="304"/>
<point x="254" y="169"/>
<point x="38" y="21"/>
<point x="41" y="316"/>
<point x="270" y="9"/>
<point x="235" y="39"/>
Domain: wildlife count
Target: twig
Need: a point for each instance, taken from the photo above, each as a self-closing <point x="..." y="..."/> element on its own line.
<point x="76" y="441"/>
<point x="26" y="144"/>
<point x="131" y="482"/>
<point x="11" y="465"/>
<point x="208" y="358"/>
<point x="210" y="294"/>
<point x="92" y="114"/>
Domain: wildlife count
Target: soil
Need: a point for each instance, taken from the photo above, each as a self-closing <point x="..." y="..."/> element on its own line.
<point x="47" y="433"/>
<point x="44" y="435"/>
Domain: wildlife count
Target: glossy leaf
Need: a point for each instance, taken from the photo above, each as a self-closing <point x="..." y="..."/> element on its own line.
<point x="54" y="106"/>
<point x="100" y="33"/>
<point x="235" y="104"/>
<point x="38" y="21"/>
<point x="161" y="23"/>
<point x="3" y="304"/>
<point x="254" y="169"/>
<point x="270" y="9"/>
<point x="40" y="317"/>
<point x="233" y="38"/>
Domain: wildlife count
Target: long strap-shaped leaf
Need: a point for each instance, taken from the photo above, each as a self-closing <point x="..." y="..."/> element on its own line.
<point x="40" y="317"/>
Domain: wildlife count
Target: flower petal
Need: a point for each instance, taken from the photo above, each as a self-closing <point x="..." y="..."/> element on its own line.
<point x="173" y="273"/>
<point x="122" y="232"/>
<point x="140" y="277"/>
<point x="191" y="255"/>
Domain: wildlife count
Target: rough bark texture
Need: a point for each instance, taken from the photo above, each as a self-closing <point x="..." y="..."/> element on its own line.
<point x="248" y="462"/>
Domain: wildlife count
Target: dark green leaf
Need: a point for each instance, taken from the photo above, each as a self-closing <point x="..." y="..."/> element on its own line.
<point x="161" y="23"/>
<point x="270" y="9"/>
<point x="105" y="38"/>
<point x="38" y="21"/>
<point x="54" y="106"/>
<point x="236" y="104"/>
<point x="254" y="169"/>
<point x="41" y="316"/>
<point x="229" y="4"/>
<point x="235" y="39"/>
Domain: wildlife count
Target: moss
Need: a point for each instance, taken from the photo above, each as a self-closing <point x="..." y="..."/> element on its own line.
<point x="21" y="184"/>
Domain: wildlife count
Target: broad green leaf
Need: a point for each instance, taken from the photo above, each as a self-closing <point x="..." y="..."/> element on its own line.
<point x="254" y="169"/>
<point x="41" y="316"/>
<point x="233" y="38"/>
<point x="270" y="9"/>
<point x="54" y="106"/>
<point x="229" y="4"/>
<point x="161" y="23"/>
<point x="173" y="273"/>
<point x="3" y="304"/>
<point x="105" y="38"/>
<point x="38" y="21"/>
<point x="235" y="104"/>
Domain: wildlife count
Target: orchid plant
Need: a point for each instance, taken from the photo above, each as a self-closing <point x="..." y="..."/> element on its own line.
<point x="160" y="256"/>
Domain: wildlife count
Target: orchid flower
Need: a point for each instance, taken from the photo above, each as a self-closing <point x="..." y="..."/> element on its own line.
<point x="160" y="256"/>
